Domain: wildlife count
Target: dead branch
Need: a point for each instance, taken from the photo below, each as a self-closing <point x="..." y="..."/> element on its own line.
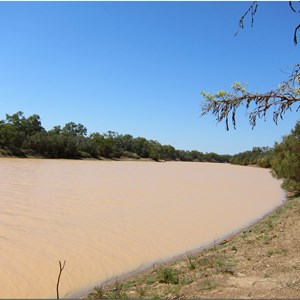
<point x="251" y="10"/>
<point x="61" y="267"/>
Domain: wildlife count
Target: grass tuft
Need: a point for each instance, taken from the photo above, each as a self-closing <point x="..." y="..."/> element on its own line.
<point x="191" y="263"/>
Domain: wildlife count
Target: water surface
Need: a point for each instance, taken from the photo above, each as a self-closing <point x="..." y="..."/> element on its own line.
<point x="107" y="218"/>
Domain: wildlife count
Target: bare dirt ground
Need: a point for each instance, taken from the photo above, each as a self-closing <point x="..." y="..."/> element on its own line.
<point x="260" y="262"/>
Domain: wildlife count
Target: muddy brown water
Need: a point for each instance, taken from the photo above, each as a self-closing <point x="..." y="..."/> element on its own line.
<point x="108" y="218"/>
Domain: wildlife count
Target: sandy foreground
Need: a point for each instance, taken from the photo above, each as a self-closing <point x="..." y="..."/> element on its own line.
<point x="109" y="218"/>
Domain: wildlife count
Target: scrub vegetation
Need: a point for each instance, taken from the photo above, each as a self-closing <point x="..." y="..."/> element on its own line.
<point x="26" y="137"/>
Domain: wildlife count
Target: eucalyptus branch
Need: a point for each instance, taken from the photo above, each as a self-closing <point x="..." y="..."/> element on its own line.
<point x="223" y="105"/>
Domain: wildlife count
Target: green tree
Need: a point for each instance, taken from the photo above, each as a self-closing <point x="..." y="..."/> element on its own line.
<point x="15" y="129"/>
<point x="125" y="142"/>
<point x="28" y="126"/>
<point x="103" y="146"/>
<point x="141" y="147"/>
<point x="11" y="138"/>
<point x="55" y="130"/>
<point x="74" y="129"/>
<point x="260" y="156"/>
<point x="197" y="156"/>
<point x="52" y="145"/>
<point x="286" y="160"/>
<point x="167" y="152"/>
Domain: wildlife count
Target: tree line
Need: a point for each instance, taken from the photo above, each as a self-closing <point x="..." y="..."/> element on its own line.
<point x="26" y="137"/>
<point x="23" y="137"/>
<point x="258" y="156"/>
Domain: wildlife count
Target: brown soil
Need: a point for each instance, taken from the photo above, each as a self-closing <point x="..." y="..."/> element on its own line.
<point x="260" y="262"/>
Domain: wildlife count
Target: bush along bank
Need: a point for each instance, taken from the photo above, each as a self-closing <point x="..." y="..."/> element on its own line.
<point x="26" y="137"/>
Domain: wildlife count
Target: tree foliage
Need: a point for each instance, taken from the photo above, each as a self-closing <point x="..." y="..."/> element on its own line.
<point x="286" y="160"/>
<point x="259" y="156"/>
<point x="223" y="105"/>
<point x="20" y="136"/>
<point x="15" y="129"/>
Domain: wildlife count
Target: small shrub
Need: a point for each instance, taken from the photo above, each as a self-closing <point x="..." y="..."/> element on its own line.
<point x="191" y="263"/>
<point x="168" y="275"/>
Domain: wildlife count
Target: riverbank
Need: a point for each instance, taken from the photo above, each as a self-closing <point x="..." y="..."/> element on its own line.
<point x="260" y="262"/>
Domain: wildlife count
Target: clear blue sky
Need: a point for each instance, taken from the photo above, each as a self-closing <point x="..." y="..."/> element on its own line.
<point x="139" y="67"/>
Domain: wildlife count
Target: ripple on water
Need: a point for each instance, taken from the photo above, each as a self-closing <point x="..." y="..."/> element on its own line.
<point x="107" y="218"/>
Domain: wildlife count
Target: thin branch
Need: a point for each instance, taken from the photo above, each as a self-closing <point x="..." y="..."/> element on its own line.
<point x="295" y="35"/>
<point x="292" y="7"/>
<point x="252" y="9"/>
<point x="223" y="104"/>
<point x="61" y="267"/>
